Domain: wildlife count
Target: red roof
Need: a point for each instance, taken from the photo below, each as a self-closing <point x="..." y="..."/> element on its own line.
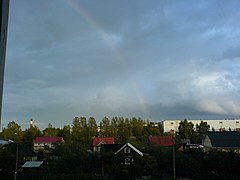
<point x="162" y="140"/>
<point x="108" y="140"/>
<point x="47" y="139"/>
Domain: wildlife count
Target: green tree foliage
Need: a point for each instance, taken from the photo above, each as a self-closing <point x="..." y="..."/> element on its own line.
<point x="137" y="126"/>
<point x="65" y="132"/>
<point x="105" y="128"/>
<point x="29" y="135"/>
<point x="12" y="132"/>
<point x="152" y="129"/>
<point x="92" y="128"/>
<point x="50" y="131"/>
<point x="185" y="129"/>
<point x="201" y="131"/>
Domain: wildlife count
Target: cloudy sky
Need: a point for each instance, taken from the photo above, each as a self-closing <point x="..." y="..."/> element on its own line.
<point x="151" y="59"/>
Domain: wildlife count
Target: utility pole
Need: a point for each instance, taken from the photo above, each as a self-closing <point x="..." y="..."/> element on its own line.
<point x="16" y="164"/>
<point x="174" y="157"/>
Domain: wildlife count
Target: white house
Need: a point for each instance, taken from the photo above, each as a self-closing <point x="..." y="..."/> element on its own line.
<point x="46" y="144"/>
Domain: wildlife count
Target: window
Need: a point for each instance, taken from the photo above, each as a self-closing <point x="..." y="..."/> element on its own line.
<point x="127" y="150"/>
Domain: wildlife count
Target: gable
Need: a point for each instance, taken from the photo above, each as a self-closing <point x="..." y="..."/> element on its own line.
<point x="99" y="141"/>
<point x="128" y="148"/>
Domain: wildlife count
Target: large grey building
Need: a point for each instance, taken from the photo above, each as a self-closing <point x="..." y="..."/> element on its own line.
<point x="4" y="8"/>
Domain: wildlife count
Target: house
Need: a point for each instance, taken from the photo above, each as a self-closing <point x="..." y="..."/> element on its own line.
<point x="98" y="142"/>
<point x="128" y="152"/>
<point x="46" y="144"/>
<point x="222" y="140"/>
<point x="161" y="140"/>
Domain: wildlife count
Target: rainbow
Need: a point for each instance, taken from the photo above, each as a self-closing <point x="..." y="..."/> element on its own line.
<point x="76" y="6"/>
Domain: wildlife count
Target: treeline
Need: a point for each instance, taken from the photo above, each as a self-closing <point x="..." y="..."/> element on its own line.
<point x="83" y="130"/>
<point x="76" y="161"/>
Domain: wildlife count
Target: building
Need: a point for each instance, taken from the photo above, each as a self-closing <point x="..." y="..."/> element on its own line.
<point x="46" y="144"/>
<point x="128" y="153"/>
<point x="98" y="142"/>
<point x="215" y="125"/>
<point x="222" y="140"/>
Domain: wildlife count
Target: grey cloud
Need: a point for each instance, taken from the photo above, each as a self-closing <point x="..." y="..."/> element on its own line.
<point x="121" y="58"/>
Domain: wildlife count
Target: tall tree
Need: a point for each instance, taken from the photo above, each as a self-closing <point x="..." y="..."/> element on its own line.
<point x="12" y="132"/>
<point x="114" y="127"/>
<point x="185" y="129"/>
<point x="105" y="128"/>
<point x="92" y="127"/>
<point x="65" y="132"/>
<point x="30" y="134"/>
<point x="76" y="130"/>
<point x="201" y="131"/>
<point x="137" y="126"/>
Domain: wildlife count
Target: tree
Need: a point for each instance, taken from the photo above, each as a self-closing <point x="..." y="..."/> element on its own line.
<point x="30" y="134"/>
<point x="123" y="130"/>
<point x="76" y="130"/>
<point x="114" y="127"/>
<point x="137" y="126"/>
<point x="65" y="132"/>
<point x="92" y="128"/>
<point x="12" y="132"/>
<point x="50" y="131"/>
<point x="201" y="131"/>
<point x="185" y="129"/>
<point x="105" y="128"/>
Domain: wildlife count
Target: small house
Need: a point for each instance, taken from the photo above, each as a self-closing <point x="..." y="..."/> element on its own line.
<point x="46" y="144"/>
<point x="128" y="152"/>
<point x="98" y="142"/>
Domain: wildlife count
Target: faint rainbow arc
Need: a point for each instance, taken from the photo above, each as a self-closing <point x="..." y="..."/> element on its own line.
<point x="119" y="55"/>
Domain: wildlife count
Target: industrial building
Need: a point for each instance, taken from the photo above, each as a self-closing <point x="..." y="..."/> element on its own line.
<point x="215" y="125"/>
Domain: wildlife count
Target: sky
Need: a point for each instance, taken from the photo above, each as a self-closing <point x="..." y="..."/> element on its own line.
<point x="155" y="59"/>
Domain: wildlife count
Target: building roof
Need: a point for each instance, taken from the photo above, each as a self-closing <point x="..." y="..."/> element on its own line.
<point x="47" y="139"/>
<point x="32" y="164"/>
<point x="107" y="140"/>
<point x="162" y="140"/>
<point x="132" y="147"/>
<point x="224" y="139"/>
